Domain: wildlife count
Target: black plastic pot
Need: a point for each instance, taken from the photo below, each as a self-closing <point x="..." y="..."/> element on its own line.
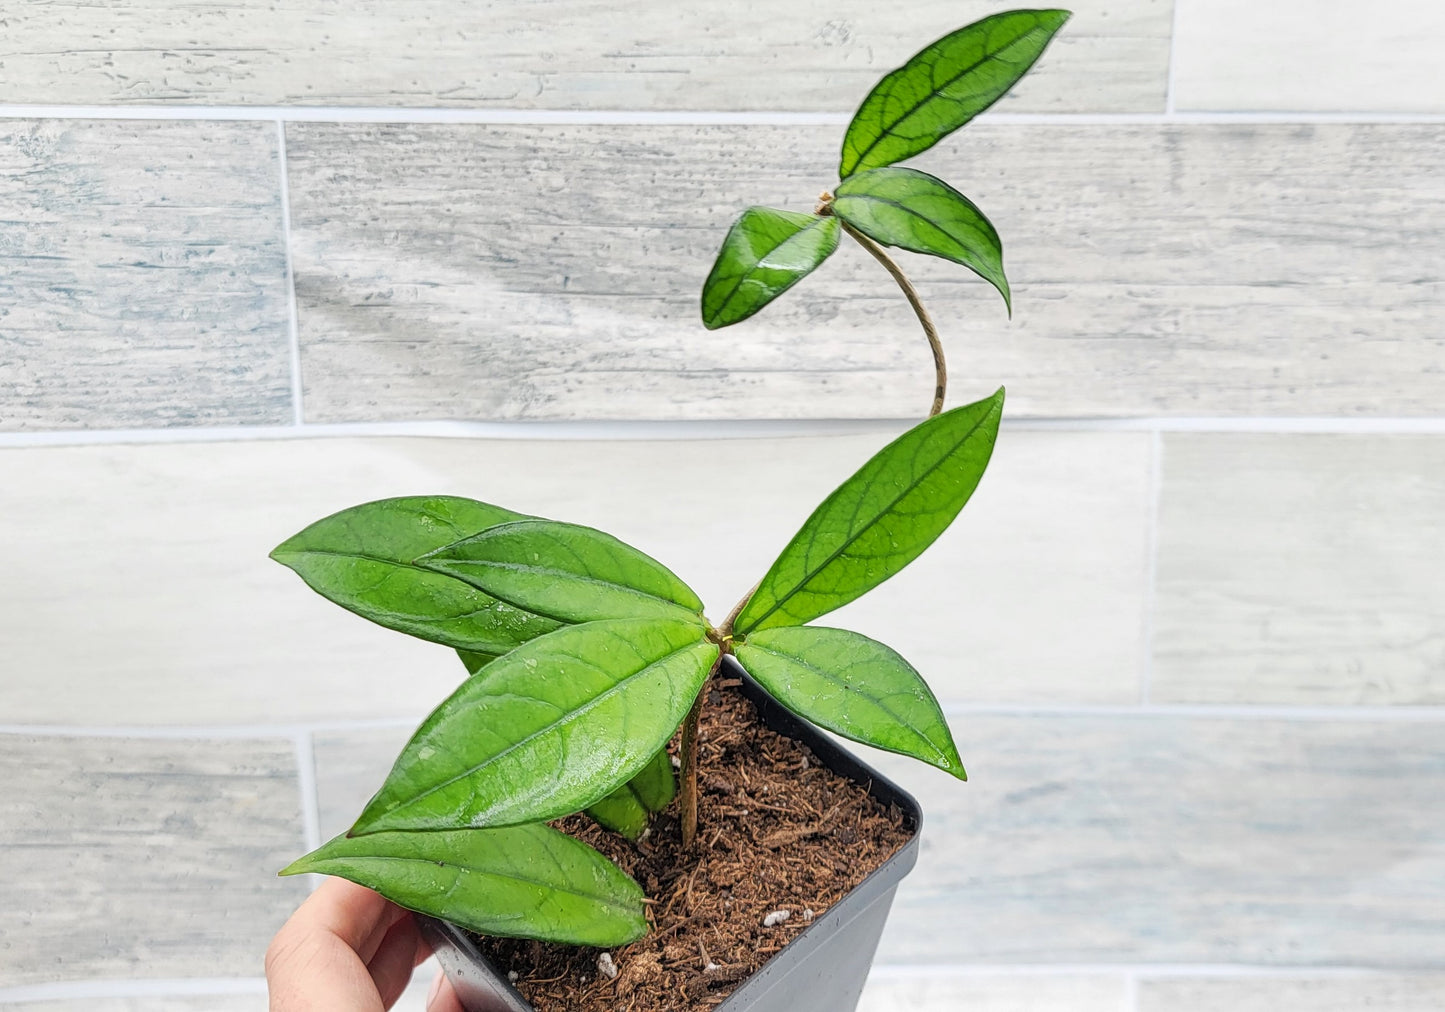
<point x="823" y="969"/>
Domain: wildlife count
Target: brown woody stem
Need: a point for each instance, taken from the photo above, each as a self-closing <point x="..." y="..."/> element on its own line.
<point x="929" y="330"/>
<point x="687" y="793"/>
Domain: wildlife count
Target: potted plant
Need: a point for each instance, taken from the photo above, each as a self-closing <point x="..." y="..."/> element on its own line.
<point x="520" y="805"/>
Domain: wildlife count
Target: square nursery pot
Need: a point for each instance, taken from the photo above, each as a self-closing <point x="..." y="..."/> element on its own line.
<point x="822" y="969"/>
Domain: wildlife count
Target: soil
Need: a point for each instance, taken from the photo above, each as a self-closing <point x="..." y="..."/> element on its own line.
<point x="777" y="831"/>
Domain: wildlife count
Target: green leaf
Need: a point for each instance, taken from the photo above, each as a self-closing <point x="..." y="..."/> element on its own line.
<point x="548" y="729"/>
<point x="475" y="661"/>
<point x="915" y="211"/>
<point x="521" y="882"/>
<point x="855" y="686"/>
<point x="944" y="86"/>
<point x="362" y="559"/>
<point x="564" y="572"/>
<point x="766" y="252"/>
<point x="879" y="520"/>
<point x="626" y="810"/>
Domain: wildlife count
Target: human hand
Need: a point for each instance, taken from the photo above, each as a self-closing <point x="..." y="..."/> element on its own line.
<point x="346" y="949"/>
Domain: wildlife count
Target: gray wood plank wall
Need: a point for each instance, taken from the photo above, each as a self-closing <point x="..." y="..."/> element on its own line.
<point x="1192" y="637"/>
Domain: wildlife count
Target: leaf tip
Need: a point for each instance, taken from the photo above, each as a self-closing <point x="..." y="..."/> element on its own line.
<point x="300" y="866"/>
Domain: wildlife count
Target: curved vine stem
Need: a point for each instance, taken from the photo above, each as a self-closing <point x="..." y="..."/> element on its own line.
<point x="909" y="292"/>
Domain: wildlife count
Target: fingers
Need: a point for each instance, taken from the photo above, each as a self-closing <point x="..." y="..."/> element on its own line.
<point x="391" y="967"/>
<point x="442" y="998"/>
<point x="318" y="960"/>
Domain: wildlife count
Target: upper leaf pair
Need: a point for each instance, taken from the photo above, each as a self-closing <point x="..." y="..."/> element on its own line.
<point x="941" y="88"/>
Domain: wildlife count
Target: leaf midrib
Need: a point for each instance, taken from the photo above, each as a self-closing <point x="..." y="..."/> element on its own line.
<point x="757" y="265"/>
<point x="605" y="901"/>
<point x="569" y="717"/>
<point x="876" y="517"/>
<point x="553" y="572"/>
<point x="836" y="680"/>
<point x="890" y="202"/>
<point x="888" y="130"/>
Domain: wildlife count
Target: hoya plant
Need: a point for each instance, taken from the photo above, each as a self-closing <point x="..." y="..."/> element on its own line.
<point x="585" y="656"/>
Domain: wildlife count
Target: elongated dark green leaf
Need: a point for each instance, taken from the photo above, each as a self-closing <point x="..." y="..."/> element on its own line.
<point x="521" y="882"/>
<point x="766" y="252"/>
<point x="879" y="520"/>
<point x="362" y="559"/>
<point x="548" y="729"/>
<point x="944" y="86"/>
<point x="915" y="211"/>
<point x="564" y="572"/>
<point x="626" y="810"/>
<point x="855" y="686"/>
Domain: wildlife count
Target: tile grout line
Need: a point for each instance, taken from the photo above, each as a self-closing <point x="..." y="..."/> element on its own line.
<point x="682" y="429"/>
<point x="1173" y="58"/>
<point x="218" y="986"/>
<point x="1407" y="714"/>
<point x="294" y="329"/>
<point x="1151" y="563"/>
<point x="1141" y="971"/>
<point x="643" y="117"/>
<point x="124" y="988"/>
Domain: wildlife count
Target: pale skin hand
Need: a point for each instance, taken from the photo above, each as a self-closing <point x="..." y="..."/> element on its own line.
<point x="348" y="950"/>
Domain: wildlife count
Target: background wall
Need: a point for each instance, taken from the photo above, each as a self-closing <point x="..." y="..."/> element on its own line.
<point x="261" y="262"/>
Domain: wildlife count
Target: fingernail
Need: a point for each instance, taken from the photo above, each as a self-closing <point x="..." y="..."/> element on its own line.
<point x="436" y="986"/>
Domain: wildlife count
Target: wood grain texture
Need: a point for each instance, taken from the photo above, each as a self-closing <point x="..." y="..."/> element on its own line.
<point x="1311" y="55"/>
<point x="144" y="275"/>
<point x="525" y="54"/>
<point x="553" y="272"/>
<point x="162" y="549"/>
<point x="983" y="993"/>
<point x="1380" y="993"/>
<point x="350" y="768"/>
<point x="129" y="858"/>
<point x="1301" y="569"/>
<point x="1144" y="838"/>
<point x="150" y="1003"/>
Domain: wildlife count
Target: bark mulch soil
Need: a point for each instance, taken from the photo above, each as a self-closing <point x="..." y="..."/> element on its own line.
<point x="777" y="831"/>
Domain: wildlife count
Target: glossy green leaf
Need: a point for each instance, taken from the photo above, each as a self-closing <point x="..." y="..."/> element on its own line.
<point x="915" y="211"/>
<point x="475" y="660"/>
<point x="521" y="882"/>
<point x="944" y="86"/>
<point x="564" y="572"/>
<point x="879" y="520"/>
<point x="854" y="686"/>
<point x="548" y="729"/>
<point x="363" y="559"/>
<point x="627" y="809"/>
<point x="766" y="252"/>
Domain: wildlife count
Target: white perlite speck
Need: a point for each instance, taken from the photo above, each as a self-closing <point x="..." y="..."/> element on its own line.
<point x="606" y="967"/>
<point x="807" y="917"/>
<point x="776" y="917"/>
<point x="512" y="976"/>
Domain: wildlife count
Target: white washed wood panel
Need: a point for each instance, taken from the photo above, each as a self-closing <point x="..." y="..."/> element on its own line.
<point x="1378" y="993"/>
<point x="144" y="858"/>
<point x="1301" y="569"/>
<point x="1149" y="839"/>
<point x="142" y="275"/>
<point x="714" y="55"/>
<point x="984" y="993"/>
<point x="351" y="766"/>
<point x="1312" y="55"/>
<point x="150" y="1003"/>
<point x="162" y="550"/>
<point x="553" y="272"/>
